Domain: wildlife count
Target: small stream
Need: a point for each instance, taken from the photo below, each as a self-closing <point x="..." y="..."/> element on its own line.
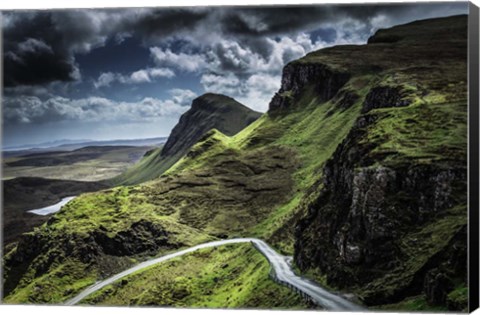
<point x="53" y="208"/>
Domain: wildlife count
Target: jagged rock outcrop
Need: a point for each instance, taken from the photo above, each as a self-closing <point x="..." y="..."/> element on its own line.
<point x="385" y="96"/>
<point x="297" y="76"/>
<point x="353" y="227"/>
<point x="142" y="236"/>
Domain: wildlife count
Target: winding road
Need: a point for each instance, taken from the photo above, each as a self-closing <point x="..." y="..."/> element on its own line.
<point x="282" y="270"/>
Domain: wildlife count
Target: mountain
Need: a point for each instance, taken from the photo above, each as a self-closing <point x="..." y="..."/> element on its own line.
<point x="389" y="213"/>
<point x="358" y="170"/>
<point x="209" y="111"/>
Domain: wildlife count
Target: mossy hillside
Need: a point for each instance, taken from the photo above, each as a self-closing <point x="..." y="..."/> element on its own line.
<point x="113" y="226"/>
<point x="314" y="125"/>
<point x="112" y="230"/>
<point x="421" y="133"/>
<point x="229" y="276"/>
<point x="212" y="144"/>
<point x="312" y="131"/>
<point x="115" y="210"/>
<point x="62" y="282"/>
<point x="203" y="195"/>
<point x="148" y="165"/>
<point x="316" y="128"/>
<point x="421" y="248"/>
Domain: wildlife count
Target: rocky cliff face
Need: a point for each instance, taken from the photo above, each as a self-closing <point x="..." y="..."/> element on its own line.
<point x="297" y="76"/>
<point x="354" y="227"/>
<point x="385" y="96"/>
<point x="387" y="219"/>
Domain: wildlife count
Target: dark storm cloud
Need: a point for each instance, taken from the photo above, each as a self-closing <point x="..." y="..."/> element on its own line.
<point x="160" y="23"/>
<point x="280" y="20"/>
<point x="33" y="62"/>
<point x="29" y="57"/>
<point x="37" y="49"/>
<point x="40" y="46"/>
<point x="60" y="35"/>
<point x="272" y="21"/>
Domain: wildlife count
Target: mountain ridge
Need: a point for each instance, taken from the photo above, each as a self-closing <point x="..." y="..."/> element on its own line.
<point x="208" y="111"/>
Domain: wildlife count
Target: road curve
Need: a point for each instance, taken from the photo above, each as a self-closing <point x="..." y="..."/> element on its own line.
<point x="279" y="264"/>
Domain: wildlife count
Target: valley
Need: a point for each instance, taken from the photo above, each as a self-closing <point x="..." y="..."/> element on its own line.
<point x="357" y="170"/>
<point x="90" y="163"/>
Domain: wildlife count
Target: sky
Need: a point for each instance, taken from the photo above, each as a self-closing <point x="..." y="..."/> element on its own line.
<point x="131" y="73"/>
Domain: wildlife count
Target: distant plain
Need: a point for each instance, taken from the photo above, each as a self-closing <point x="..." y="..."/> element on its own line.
<point x="92" y="163"/>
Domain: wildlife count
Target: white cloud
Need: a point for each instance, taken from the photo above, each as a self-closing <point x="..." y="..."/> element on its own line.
<point x="182" y="97"/>
<point x="136" y="77"/>
<point x="31" y="109"/>
<point x="105" y="79"/>
<point x="256" y="91"/>
<point x="161" y="72"/>
<point x="259" y="91"/>
<point x="32" y="45"/>
<point x="249" y="77"/>
<point x="232" y="69"/>
<point x="140" y="76"/>
<point x="182" y="61"/>
<point x="227" y="84"/>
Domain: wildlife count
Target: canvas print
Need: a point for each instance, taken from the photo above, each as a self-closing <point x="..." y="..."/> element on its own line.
<point x="307" y="157"/>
